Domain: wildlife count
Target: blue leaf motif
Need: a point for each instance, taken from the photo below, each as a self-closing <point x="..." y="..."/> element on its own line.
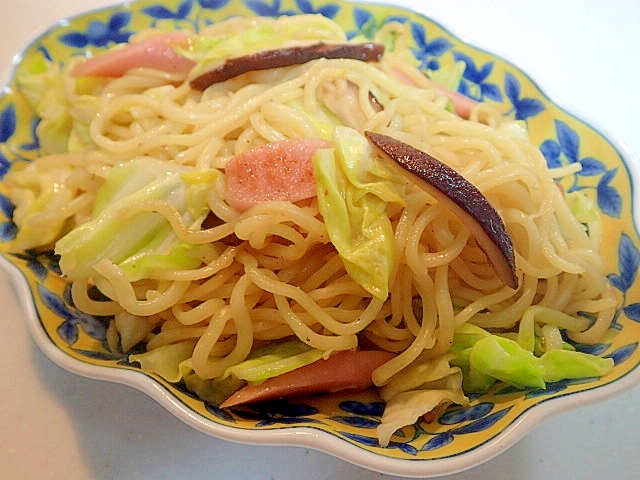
<point x="477" y="77"/>
<point x="68" y="331"/>
<point x="591" y="167"/>
<point x="219" y="412"/>
<point x="264" y="9"/>
<point x="569" y="141"/>
<point x="506" y="389"/>
<point x="362" y="439"/>
<point x="8" y="122"/>
<point x="97" y="34"/>
<point x="491" y="92"/>
<point x="8" y="231"/>
<point x="92" y="326"/>
<point x="100" y="33"/>
<point x="623" y="353"/>
<point x="55" y="303"/>
<point x="439" y="46"/>
<point x="363" y="408"/>
<point x="120" y="36"/>
<point x="74" y="39"/>
<point x="427" y="51"/>
<point x="6" y="207"/>
<point x="511" y="87"/>
<point x="329" y="10"/>
<point x="119" y="20"/>
<point x="305" y="6"/>
<point x="466" y="414"/>
<point x="419" y="34"/>
<point x="528" y="107"/>
<point x="524" y="107"/>
<point x="38" y="269"/>
<point x="158" y="11"/>
<point x="628" y="263"/>
<point x="592" y="348"/>
<point x="184" y="9"/>
<point x="609" y="200"/>
<point x="484" y="72"/>
<point x="161" y="12"/>
<point x="213" y="4"/>
<point x="482" y="423"/>
<point x="438" y="441"/>
<point x="35" y="143"/>
<point x="373" y="442"/>
<point x="405" y="447"/>
<point x="632" y="312"/>
<point x="361" y="17"/>
<point x="45" y="53"/>
<point x="471" y="71"/>
<point x="360" y="422"/>
<point x="551" y="388"/>
<point x="551" y="151"/>
<point x="5" y="165"/>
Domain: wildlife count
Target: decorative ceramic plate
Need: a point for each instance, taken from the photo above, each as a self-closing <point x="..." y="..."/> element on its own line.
<point x="343" y="425"/>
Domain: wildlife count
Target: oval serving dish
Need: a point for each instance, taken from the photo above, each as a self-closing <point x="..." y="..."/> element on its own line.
<point x="342" y="425"/>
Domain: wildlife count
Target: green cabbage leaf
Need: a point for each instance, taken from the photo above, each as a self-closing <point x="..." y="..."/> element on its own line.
<point x="210" y="51"/>
<point x="273" y="360"/>
<point x="144" y="242"/>
<point x="354" y="188"/>
<point x="486" y="358"/>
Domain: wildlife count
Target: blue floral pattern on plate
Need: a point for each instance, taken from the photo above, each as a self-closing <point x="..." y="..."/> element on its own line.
<point x="100" y="34"/>
<point x="353" y="419"/>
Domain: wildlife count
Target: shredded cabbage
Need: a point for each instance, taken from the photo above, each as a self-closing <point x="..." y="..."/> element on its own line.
<point x="582" y="207"/>
<point x="65" y="107"/>
<point x="212" y="390"/>
<point x="142" y="243"/>
<point x="165" y="360"/>
<point x="354" y="188"/>
<point x="273" y="360"/>
<point x="486" y="358"/>
<point x="406" y="407"/>
<point x="206" y="51"/>
<point x="36" y="194"/>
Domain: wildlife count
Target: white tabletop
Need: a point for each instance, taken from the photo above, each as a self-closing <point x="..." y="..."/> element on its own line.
<point x="55" y="425"/>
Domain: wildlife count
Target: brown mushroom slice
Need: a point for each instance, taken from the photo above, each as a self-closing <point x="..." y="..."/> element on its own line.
<point x="460" y="196"/>
<point x="284" y="57"/>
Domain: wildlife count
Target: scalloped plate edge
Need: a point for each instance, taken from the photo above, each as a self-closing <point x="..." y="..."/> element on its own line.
<point x="307" y="436"/>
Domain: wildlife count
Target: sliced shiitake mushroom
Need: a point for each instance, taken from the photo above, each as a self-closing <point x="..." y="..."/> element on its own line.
<point x="284" y="57"/>
<point x="460" y="196"/>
